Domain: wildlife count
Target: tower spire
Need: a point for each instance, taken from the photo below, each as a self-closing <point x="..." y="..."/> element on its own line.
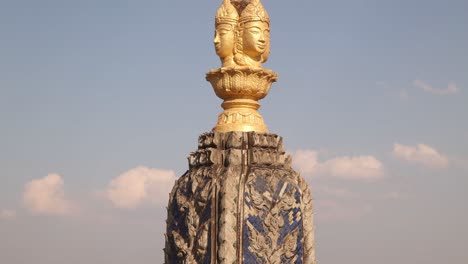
<point x="240" y="201"/>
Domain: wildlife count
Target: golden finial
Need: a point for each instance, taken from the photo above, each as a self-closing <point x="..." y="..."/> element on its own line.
<point x="243" y="44"/>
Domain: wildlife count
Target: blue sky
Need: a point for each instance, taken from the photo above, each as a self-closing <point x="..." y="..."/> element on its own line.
<point x="95" y="95"/>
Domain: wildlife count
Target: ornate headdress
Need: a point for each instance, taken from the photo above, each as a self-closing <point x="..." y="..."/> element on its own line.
<point x="227" y="13"/>
<point x="254" y="11"/>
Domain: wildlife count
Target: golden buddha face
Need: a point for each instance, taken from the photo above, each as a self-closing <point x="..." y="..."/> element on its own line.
<point x="266" y="54"/>
<point x="224" y="40"/>
<point x="256" y="38"/>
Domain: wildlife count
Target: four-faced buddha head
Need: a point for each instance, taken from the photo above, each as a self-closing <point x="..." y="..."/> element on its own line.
<point x="227" y="19"/>
<point x="253" y="44"/>
<point x="255" y="39"/>
<point x="244" y="40"/>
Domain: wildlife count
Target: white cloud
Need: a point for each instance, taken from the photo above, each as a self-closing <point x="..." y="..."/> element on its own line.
<point x="306" y="161"/>
<point x="139" y="186"/>
<point x="47" y="196"/>
<point x="356" y="167"/>
<point x="423" y="154"/>
<point x="6" y="214"/>
<point x="451" y="88"/>
<point x="359" y="167"/>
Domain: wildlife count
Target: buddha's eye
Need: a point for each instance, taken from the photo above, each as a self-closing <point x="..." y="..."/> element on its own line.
<point x="223" y="32"/>
<point x="254" y="31"/>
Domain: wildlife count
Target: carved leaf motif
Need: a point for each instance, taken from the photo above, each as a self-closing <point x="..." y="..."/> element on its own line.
<point x="288" y="201"/>
<point x="179" y="241"/>
<point x="194" y="186"/>
<point x="257" y="199"/>
<point x="202" y="241"/>
<point x="205" y="192"/>
<point x="290" y="244"/>
<point x="275" y="218"/>
<point x="275" y="258"/>
<point x="183" y="251"/>
<point x="258" y="243"/>
<point x="189" y="260"/>
<point x="182" y="202"/>
<point x="274" y="222"/>
<point x="274" y="182"/>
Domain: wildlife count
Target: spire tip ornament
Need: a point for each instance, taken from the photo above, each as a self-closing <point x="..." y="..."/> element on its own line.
<point x="242" y="42"/>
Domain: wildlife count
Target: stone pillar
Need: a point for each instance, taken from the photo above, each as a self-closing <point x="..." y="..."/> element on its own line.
<point x="240" y="202"/>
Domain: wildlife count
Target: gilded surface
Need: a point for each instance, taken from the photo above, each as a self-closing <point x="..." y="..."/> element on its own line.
<point x="242" y="42"/>
<point x="242" y="34"/>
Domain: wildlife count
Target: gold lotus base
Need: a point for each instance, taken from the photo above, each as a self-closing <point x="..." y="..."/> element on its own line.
<point x="241" y="89"/>
<point x="240" y="115"/>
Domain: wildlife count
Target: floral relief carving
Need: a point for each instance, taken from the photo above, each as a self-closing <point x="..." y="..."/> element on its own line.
<point x="248" y="206"/>
<point x="272" y="210"/>
<point x="188" y="233"/>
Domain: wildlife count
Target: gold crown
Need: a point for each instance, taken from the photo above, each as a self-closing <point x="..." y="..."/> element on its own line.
<point x="254" y="11"/>
<point x="227" y="13"/>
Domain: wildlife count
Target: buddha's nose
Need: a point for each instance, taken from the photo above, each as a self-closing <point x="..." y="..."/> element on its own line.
<point x="216" y="39"/>
<point x="262" y="38"/>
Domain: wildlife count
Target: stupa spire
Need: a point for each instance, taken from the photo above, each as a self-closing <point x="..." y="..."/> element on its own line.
<point x="240" y="201"/>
